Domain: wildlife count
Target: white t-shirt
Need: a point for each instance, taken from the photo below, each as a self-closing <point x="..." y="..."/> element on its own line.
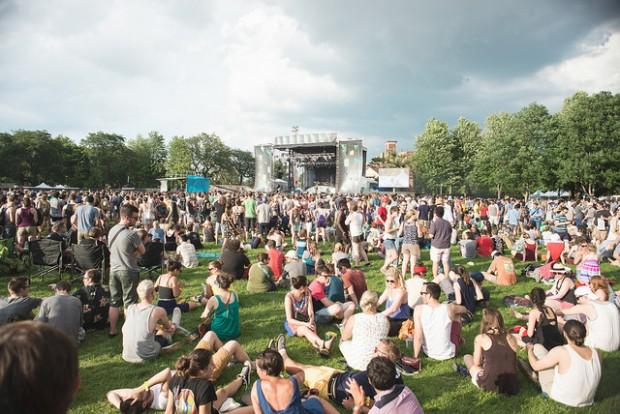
<point x="187" y="251"/>
<point x="355" y="221"/>
<point x="414" y="287"/>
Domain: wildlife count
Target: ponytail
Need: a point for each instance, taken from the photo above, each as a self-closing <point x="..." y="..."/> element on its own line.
<point x="191" y="364"/>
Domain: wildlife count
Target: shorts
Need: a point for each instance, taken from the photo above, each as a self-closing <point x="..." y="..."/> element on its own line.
<point x="318" y="377"/>
<point x="250" y="222"/>
<point x="357" y="239"/>
<point x="323" y="316"/>
<point x="219" y="361"/>
<point x="438" y="255"/>
<point x="389" y="244"/>
<point x="169" y="305"/>
<point x="23" y="232"/>
<point x="123" y="285"/>
<point x="411" y="248"/>
<point x="313" y="406"/>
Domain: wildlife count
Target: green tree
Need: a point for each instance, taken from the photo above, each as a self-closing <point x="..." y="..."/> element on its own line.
<point x="436" y="158"/>
<point x="109" y="158"/>
<point x="467" y="135"/>
<point x="243" y="164"/>
<point x="179" y="160"/>
<point x="149" y="155"/>
<point x="589" y="143"/>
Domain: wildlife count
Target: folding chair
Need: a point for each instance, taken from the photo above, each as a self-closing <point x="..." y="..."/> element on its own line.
<point x="47" y="255"/>
<point x="89" y="256"/>
<point x="153" y="259"/>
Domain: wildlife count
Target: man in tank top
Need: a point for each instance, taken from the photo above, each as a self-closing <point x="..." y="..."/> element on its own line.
<point x="438" y="326"/>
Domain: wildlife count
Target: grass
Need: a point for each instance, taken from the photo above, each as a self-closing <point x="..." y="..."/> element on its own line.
<point x="438" y="388"/>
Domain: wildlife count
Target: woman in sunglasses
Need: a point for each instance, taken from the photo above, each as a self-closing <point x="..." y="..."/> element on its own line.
<point x="395" y="298"/>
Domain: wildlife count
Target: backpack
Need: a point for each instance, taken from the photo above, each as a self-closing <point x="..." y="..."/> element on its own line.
<point x="322" y="221"/>
<point x="161" y="211"/>
<point x="2" y="215"/>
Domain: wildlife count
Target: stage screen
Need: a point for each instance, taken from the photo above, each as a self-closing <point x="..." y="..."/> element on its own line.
<point x="350" y="167"/>
<point x="393" y="177"/>
<point x="263" y="156"/>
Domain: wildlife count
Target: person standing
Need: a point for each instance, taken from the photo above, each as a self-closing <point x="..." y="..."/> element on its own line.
<point x="125" y="247"/>
<point x="249" y="205"/>
<point x="85" y="217"/>
<point x="440" y="233"/>
<point x="355" y="221"/>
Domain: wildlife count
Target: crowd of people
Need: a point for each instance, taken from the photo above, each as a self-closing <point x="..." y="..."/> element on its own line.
<point x="573" y="312"/>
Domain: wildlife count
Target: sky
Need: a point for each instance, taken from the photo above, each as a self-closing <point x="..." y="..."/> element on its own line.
<point x="250" y="70"/>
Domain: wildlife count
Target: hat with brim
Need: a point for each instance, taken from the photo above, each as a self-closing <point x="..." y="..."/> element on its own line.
<point x="291" y="254"/>
<point x="558" y="268"/>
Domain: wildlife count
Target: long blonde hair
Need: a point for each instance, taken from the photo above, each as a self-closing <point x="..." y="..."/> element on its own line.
<point x="397" y="275"/>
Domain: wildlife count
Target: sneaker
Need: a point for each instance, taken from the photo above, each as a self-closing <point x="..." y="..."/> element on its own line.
<point x="281" y="343"/>
<point x="245" y="374"/>
<point x="461" y="369"/>
<point x="405" y="370"/>
<point x="271" y="344"/>
<point x="197" y="298"/>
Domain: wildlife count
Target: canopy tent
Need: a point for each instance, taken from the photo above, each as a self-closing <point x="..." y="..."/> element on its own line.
<point x="550" y="194"/>
<point x="43" y="186"/>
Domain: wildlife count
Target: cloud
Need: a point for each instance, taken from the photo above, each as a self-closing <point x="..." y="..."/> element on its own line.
<point x="593" y="69"/>
<point x="250" y="70"/>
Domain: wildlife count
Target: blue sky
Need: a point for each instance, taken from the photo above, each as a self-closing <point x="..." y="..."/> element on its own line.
<point x="250" y="70"/>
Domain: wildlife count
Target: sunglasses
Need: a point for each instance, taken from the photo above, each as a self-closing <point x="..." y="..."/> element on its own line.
<point x="423" y="293"/>
<point x="390" y="281"/>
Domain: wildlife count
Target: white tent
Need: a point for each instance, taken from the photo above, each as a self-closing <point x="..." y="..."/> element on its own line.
<point x="44" y="186"/>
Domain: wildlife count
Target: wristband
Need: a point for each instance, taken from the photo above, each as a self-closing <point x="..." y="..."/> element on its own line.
<point x="146" y="387"/>
<point x="357" y="408"/>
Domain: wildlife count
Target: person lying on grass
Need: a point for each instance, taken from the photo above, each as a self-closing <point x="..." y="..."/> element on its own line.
<point x="330" y="383"/>
<point x="154" y="392"/>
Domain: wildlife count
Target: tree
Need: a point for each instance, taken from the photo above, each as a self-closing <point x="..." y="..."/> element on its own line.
<point x="243" y="164"/>
<point x="467" y="135"/>
<point x="179" y="160"/>
<point x="109" y="159"/>
<point x="589" y="143"/>
<point x="279" y="170"/>
<point x="149" y="155"/>
<point x="436" y="157"/>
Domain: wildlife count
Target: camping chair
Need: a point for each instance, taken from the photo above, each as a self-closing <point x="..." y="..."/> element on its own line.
<point x="47" y="255"/>
<point x="153" y="259"/>
<point x="89" y="256"/>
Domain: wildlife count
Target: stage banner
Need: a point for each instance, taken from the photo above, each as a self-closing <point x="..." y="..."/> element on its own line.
<point x="263" y="179"/>
<point x="197" y="184"/>
<point x="350" y="167"/>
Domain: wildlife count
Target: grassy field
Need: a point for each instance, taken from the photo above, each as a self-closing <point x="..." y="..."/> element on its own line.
<point x="438" y="388"/>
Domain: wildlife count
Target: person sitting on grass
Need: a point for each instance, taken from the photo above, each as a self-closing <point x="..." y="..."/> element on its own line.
<point x="467" y="292"/>
<point x="272" y="394"/>
<point x="330" y="383"/>
<point x="276" y="259"/>
<point x="324" y="309"/>
<point x="562" y="293"/>
<point x="300" y="315"/>
<point x="353" y="279"/>
<point x="542" y="324"/>
<point x="39" y="369"/>
<point x="223" y="354"/>
<point x="18" y="306"/>
<point x="363" y="331"/>
<point x="602" y="320"/>
<point x="187" y="252"/>
<point x="190" y="392"/>
<point x="437" y="325"/>
<point x="143" y="338"/>
<point x="63" y="312"/>
<point x="95" y="301"/>
<point x="222" y="309"/>
<point x="568" y="374"/>
<point x="493" y="367"/>
<point x="170" y="287"/>
<point x="260" y="277"/>
<point x="390" y="397"/>
<point x="501" y="271"/>
<point x="395" y="299"/>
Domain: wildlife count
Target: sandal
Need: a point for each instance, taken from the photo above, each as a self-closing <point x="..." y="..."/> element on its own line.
<point x="323" y="351"/>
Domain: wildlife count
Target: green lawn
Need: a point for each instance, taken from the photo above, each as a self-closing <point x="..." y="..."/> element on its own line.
<point x="438" y="388"/>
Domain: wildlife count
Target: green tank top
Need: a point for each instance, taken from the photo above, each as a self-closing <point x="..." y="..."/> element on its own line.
<point x="226" y="323"/>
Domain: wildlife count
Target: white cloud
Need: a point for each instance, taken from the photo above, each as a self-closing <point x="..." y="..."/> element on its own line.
<point x="595" y="68"/>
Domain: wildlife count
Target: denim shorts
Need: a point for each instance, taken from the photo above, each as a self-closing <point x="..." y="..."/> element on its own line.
<point x="389" y="244"/>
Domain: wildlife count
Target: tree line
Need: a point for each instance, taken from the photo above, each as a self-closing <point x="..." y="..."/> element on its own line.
<point x="107" y="159"/>
<point x="576" y="149"/>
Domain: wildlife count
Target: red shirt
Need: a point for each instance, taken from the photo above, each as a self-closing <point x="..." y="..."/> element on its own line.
<point x="484" y="246"/>
<point x="382" y="212"/>
<point x="276" y="261"/>
<point x="355" y="278"/>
